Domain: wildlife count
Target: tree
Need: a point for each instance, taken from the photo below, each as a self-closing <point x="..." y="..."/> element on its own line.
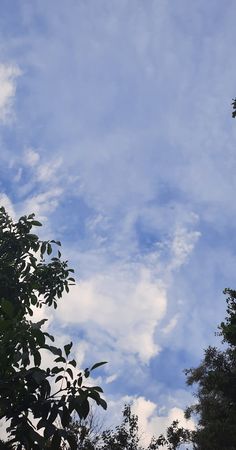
<point x="38" y="404"/>
<point x="126" y="435"/>
<point x="215" y="377"/>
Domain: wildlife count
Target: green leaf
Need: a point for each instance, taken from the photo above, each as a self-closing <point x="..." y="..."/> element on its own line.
<point x="49" y="249"/>
<point x="7" y="308"/>
<point x="95" y="366"/>
<point x="43" y="247"/>
<point x="36" y="223"/>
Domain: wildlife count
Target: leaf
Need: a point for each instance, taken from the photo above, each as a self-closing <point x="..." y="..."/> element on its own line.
<point x="56" y="370"/>
<point x="37" y="358"/>
<point x="60" y="359"/>
<point x="39" y="336"/>
<point x="83" y="410"/>
<point x="39" y="324"/>
<point x="96" y="388"/>
<point x="67" y="348"/>
<point x="49" y="431"/>
<point x="7" y="308"/>
<point x="41" y="424"/>
<point x="30" y="312"/>
<point x="86" y="373"/>
<point x="33" y="299"/>
<point x="69" y="371"/>
<point x="33" y="237"/>
<point x="95" y="366"/>
<point x="56" y="242"/>
<point x="43" y="248"/>
<point x="38" y="375"/>
<point x="53" y="415"/>
<point x="56" y="442"/>
<point x="65" y="417"/>
<point x="54" y="350"/>
<point x="103" y="403"/>
<point x="50" y="336"/>
<point x="72" y="362"/>
<point x="49" y="249"/>
<point x="36" y="223"/>
<point x="60" y="377"/>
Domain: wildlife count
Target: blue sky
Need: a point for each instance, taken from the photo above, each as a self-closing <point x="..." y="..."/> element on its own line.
<point x="116" y="130"/>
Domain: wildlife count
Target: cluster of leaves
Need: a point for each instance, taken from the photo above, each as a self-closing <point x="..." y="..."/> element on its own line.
<point x="29" y="398"/>
<point x="234" y="108"/>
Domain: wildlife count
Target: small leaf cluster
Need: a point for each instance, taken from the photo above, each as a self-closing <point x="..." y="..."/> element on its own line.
<point x="234" y="108"/>
<point x="38" y="403"/>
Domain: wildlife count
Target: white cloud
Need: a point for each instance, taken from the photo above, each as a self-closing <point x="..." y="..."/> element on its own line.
<point x="153" y="424"/>
<point x="126" y="306"/>
<point x="120" y="306"/>
<point x="47" y="172"/>
<point x="153" y="419"/>
<point x="43" y="203"/>
<point x="182" y="246"/>
<point x="111" y="378"/>
<point x="171" y="325"/>
<point x="8" y="74"/>
<point x="139" y="143"/>
<point x="31" y="157"/>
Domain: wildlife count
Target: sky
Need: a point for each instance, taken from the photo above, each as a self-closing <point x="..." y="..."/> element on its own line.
<point x="116" y="130"/>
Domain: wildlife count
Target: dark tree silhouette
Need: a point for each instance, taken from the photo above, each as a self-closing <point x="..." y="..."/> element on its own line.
<point x="32" y="275"/>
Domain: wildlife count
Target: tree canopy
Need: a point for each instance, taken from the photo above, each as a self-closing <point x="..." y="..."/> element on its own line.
<point x="37" y="403"/>
<point x="215" y="378"/>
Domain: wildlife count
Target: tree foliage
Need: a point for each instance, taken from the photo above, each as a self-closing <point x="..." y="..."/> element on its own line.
<point x="215" y="378"/>
<point x="126" y="435"/>
<point x="37" y="403"/>
<point x="234" y="108"/>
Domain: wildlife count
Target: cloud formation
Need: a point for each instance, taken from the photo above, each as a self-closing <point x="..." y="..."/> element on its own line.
<point x="8" y="75"/>
<point x="123" y="145"/>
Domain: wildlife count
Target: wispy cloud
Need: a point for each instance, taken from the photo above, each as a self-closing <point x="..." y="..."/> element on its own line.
<point x="8" y="75"/>
<point x="122" y="143"/>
